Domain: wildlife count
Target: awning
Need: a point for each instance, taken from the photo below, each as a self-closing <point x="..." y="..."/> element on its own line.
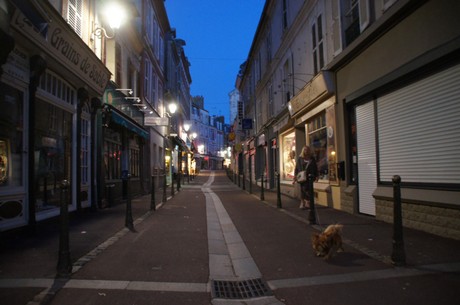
<point x="127" y="123"/>
<point x="179" y="142"/>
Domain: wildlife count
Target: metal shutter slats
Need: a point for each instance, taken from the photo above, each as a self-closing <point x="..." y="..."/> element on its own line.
<point x="418" y="130"/>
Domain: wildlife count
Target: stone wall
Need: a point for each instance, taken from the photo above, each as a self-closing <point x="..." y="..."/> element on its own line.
<point x="435" y="220"/>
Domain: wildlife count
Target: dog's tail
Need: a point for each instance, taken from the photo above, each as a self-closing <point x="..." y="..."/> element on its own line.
<point x="334" y="228"/>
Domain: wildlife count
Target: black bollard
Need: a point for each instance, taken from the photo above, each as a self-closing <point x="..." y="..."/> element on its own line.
<point x="178" y="180"/>
<point x="172" y="186"/>
<point x="164" y="188"/>
<point x="250" y="182"/>
<point x="64" y="265"/>
<point x="311" y="190"/>
<point x="244" y="182"/>
<point x="398" y="255"/>
<point x="278" y="190"/>
<point x="262" y="193"/>
<point x="152" y="195"/>
<point x="129" y="213"/>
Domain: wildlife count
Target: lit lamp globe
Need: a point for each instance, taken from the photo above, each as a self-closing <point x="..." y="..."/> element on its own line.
<point x="172" y="108"/>
<point x="115" y="14"/>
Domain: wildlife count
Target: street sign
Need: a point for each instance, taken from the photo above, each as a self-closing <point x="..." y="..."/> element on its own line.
<point x="156" y="121"/>
<point x="247" y="124"/>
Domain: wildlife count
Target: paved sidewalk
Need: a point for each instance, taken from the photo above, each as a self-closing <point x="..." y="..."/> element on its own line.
<point x="166" y="261"/>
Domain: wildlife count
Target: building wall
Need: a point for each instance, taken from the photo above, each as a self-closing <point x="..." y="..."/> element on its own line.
<point x="425" y="40"/>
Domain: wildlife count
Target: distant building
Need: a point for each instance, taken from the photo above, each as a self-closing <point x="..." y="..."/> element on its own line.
<point x="234" y="97"/>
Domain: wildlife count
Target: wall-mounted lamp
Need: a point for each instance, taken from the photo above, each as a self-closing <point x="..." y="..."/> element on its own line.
<point x="115" y="15"/>
<point x="134" y="98"/>
<point x="186" y="127"/>
<point x="130" y="91"/>
<point x="172" y="107"/>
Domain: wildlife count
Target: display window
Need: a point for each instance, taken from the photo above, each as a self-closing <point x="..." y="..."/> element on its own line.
<point x="11" y="137"/>
<point x="112" y="154"/>
<point x="53" y="153"/>
<point x="317" y="139"/>
<point x="321" y="138"/>
<point x="288" y="156"/>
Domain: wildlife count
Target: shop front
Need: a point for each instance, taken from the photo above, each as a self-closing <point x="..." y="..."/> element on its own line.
<point x="50" y="83"/>
<point x="313" y="111"/>
<point x="402" y="114"/>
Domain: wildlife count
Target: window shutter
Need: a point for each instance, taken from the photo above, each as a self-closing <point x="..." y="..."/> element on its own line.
<point x="74" y="15"/>
<point x="364" y="14"/>
<point x="418" y="130"/>
<point x="367" y="168"/>
<point x="336" y="27"/>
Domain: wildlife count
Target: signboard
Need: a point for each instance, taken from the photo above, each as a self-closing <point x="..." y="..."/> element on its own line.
<point x="66" y="47"/>
<point x="247" y="124"/>
<point x="156" y="121"/>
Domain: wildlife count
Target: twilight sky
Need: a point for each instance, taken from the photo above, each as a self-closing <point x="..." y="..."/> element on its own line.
<point x="218" y="36"/>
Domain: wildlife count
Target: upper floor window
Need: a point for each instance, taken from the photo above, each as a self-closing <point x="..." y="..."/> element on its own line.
<point x="355" y="19"/>
<point x="74" y="15"/>
<point x="147" y="78"/>
<point x="317" y="43"/>
<point x="285" y="21"/>
<point x="268" y="42"/>
<point x="271" y="106"/>
<point x="118" y="65"/>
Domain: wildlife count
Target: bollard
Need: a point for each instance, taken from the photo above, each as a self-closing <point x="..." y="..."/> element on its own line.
<point x="262" y="194"/>
<point x="398" y="255"/>
<point x="129" y="213"/>
<point x="152" y="195"/>
<point x="244" y="182"/>
<point x="250" y="182"/>
<point x="172" y="186"/>
<point x="164" y="188"/>
<point x="239" y="180"/>
<point x="278" y="190"/>
<point x="311" y="190"/>
<point x="64" y="265"/>
<point x="178" y="175"/>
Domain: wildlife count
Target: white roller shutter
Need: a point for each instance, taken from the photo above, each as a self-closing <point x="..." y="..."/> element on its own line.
<point x="367" y="168"/>
<point x="418" y="130"/>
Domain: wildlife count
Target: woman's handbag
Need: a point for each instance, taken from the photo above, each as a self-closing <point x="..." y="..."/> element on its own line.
<point x="302" y="175"/>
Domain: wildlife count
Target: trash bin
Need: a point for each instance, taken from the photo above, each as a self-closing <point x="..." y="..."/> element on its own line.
<point x="109" y="196"/>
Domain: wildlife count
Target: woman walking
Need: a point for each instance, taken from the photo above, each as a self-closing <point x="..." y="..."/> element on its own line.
<point x="306" y="162"/>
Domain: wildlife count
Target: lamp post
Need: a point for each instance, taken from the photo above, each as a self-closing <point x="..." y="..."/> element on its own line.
<point x="172" y="107"/>
<point x="187" y="165"/>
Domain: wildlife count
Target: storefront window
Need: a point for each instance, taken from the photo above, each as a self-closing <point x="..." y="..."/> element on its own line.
<point x="11" y="127"/>
<point x="84" y="155"/>
<point x="288" y="156"/>
<point x="134" y="162"/>
<point x="112" y="154"/>
<point x="317" y="138"/>
<point x="53" y="153"/>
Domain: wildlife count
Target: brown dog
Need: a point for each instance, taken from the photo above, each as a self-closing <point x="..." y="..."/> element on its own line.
<point x="327" y="243"/>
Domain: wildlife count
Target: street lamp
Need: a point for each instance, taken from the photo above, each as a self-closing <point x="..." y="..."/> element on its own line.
<point x="168" y="112"/>
<point x="115" y="15"/>
<point x="172" y="107"/>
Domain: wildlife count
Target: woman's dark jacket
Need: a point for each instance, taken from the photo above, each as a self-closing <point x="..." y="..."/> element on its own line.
<point x="312" y="168"/>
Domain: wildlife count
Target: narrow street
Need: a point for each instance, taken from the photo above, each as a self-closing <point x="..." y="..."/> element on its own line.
<point x="214" y="243"/>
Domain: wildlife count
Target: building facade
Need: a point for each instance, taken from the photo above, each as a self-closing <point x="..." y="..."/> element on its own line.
<point x="85" y="103"/>
<point x="364" y="83"/>
<point x="52" y="85"/>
